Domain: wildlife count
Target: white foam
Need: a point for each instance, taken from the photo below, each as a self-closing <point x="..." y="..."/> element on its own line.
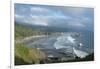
<point x="63" y="41"/>
<point x="72" y="40"/>
<point x="80" y="53"/>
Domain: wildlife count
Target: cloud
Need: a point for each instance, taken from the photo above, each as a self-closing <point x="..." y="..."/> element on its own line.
<point x="41" y="19"/>
<point x="64" y="23"/>
<point x="62" y="17"/>
<point x="76" y="10"/>
<point x="39" y="9"/>
<point x="76" y="22"/>
<point x="37" y="20"/>
<point x="54" y="20"/>
<point x="18" y="16"/>
<point x="34" y="20"/>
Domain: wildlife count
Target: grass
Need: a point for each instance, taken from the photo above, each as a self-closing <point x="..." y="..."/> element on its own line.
<point x="24" y="55"/>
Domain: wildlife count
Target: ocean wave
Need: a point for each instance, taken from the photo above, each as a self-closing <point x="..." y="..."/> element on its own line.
<point x="66" y="40"/>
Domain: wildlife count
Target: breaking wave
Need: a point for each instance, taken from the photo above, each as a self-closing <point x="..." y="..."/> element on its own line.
<point x="71" y="40"/>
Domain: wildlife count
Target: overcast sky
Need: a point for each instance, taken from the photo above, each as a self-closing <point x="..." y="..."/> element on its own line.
<point x="57" y="16"/>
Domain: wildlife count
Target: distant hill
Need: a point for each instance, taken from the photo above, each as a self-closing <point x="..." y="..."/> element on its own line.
<point x="53" y="28"/>
<point x="22" y="31"/>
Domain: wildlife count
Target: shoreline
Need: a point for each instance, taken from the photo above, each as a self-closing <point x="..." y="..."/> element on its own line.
<point x="27" y="39"/>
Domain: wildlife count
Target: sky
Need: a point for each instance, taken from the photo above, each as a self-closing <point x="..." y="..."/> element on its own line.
<point x="55" y="16"/>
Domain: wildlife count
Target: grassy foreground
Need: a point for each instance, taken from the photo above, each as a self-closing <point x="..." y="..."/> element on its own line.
<point x="24" y="55"/>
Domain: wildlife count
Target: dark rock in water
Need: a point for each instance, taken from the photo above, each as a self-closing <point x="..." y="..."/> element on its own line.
<point x="89" y="57"/>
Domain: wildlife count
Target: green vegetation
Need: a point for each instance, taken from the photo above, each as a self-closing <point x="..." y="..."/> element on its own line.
<point x="23" y="31"/>
<point x="24" y="55"/>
